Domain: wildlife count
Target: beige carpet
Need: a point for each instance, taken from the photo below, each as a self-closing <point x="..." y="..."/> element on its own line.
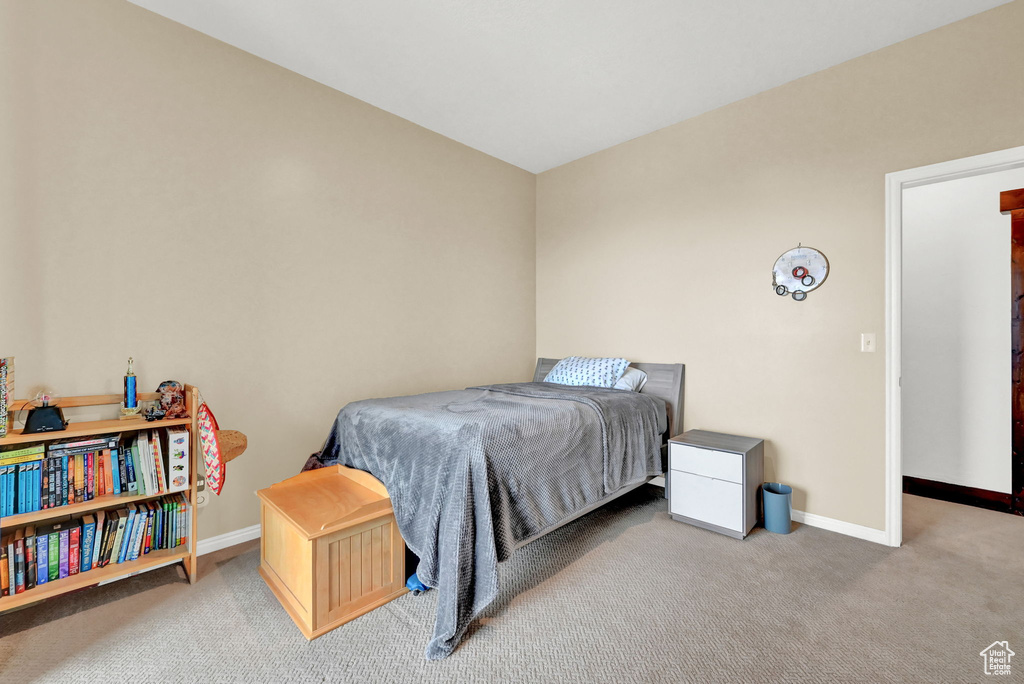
<point x="623" y="595"/>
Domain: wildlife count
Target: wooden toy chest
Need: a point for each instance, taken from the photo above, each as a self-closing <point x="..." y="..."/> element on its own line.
<point x="330" y="549"/>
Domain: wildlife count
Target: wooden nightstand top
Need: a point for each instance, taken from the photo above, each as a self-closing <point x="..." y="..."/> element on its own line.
<point x="717" y="440"/>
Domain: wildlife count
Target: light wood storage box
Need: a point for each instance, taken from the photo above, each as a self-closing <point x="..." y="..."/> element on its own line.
<point x="330" y="549"/>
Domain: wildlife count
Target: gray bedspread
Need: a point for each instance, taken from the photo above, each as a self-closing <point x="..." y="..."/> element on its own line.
<point x="473" y="472"/>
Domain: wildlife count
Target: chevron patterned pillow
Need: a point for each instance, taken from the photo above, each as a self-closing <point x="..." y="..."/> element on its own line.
<point x="581" y="370"/>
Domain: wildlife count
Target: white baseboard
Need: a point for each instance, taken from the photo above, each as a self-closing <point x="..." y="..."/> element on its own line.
<point x="223" y="541"/>
<point x="658" y="481"/>
<point x="832" y="525"/>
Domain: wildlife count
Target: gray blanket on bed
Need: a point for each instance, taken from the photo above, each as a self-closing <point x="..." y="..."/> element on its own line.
<point x="473" y="472"/>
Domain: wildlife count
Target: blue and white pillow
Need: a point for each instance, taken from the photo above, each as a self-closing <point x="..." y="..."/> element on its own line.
<point x="580" y="370"/>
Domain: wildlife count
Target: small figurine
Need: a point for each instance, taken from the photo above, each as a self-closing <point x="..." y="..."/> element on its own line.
<point x="154" y="413"/>
<point x="172" y="399"/>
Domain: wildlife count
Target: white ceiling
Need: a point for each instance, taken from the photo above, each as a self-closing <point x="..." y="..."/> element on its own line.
<point x="539" y="83"/>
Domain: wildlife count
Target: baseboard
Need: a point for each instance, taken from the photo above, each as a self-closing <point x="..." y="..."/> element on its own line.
<point x="223" y="541"/>
<point x="832" y="525"/>
<point x="959" y="494"/>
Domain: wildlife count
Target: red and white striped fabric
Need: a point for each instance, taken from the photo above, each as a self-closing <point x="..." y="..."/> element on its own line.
<point x="215" y="469"/>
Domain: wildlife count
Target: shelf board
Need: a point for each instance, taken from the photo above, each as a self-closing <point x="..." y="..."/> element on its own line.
<point x="93" y="427"/>
<point x="76" y="509"/>
<point x="114" y="571"/>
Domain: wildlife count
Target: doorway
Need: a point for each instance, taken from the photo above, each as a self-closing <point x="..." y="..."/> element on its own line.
<point x="950" y="306"/>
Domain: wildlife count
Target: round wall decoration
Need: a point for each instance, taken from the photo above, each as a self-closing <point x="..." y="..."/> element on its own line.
<point x="799" y="271"/>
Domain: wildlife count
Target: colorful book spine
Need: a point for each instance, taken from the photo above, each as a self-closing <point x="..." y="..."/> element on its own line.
<point x="79" y="487"/>
<point x="10" y="561"/>
<point x="74" y="550"/>
<point x="131" y="459"/>
<point x="42" y="558"/>
<point x="126" y="541"/>
<point x="88" y="538"/>
<point x="97" y="544"/>
<point x="64" y="540"/>
<point x="5" y="573"/>
<point x="53" y="563"/>
<point x="65" y="481"/>
<point x="90" y="476"/>
<point x="19" y="563"/>
<point x="107" y="476"/>
<point x="115" y="546"/>
<point x="51" y="483"/>
<point x="31" y="571"/>
<point x="150" y="511"/>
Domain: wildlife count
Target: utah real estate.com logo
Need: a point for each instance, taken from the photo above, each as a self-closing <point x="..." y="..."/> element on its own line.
<point x="997" y="658"/>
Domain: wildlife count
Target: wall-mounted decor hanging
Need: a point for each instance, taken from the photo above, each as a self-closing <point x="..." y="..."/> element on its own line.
<point x="799" y="271"/>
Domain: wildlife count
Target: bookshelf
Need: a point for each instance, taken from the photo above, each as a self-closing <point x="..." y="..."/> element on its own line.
<point x="185" y="554"/>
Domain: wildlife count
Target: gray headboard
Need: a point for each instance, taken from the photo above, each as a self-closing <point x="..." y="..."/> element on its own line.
<point x="664" y="380"/>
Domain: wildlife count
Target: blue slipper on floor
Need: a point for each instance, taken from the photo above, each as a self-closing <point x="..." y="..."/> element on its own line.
<point x="414" y="585"/>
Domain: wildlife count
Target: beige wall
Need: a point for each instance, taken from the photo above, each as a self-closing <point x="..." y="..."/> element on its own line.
<point x="148" y="170"/>
<point x="231" y="224"/>
<point x="661" y="249"/>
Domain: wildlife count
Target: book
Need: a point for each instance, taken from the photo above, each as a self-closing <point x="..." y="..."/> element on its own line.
<point x="10" y="562"/>
<point x="19" y="489"/>
<point x="79" y="484"/>
<point x="31" y="453"/>
<point x="53" y="559"/>
<point x="136" y="478"/>
<point x="5" y="574"/>
<point x="4" y="396"/>
<point x="107" y="475"/>
<point x="126" y="470"/>
<point x="139" y="523"/>
<point x="31" y="571"/>
<point x="76" y="445"/>
<point x="109" y="529"/>
<point x="51" y="480"/>
<point x="64" y="539"/>
<point x="97" y="543"/>
<point x="158" y="461"/>
<point x="143" y="464"/>
<point x="115" y="547"/>
<point x="150" y="525"/>
<point x="177" y="459"/>
<point x="3" y="491"/>
<point x="88" y="535"/>
<point x="125" y="542"/>
<point x="42" y="557"/>
<point x="74" y="548"/>
<point x="19" y="562"/>
<point x="65" y="482"/>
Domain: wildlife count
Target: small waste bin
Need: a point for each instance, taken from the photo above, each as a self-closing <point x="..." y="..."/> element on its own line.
<point x="778" y="507"/>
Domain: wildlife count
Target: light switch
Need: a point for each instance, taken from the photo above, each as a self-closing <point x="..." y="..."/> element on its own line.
<point x="867" y="342"/>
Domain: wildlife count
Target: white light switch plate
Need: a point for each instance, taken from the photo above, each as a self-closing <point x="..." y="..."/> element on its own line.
<point x="867" y="342"/>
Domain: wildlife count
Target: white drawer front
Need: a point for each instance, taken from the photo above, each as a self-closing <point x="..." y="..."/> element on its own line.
<point x="712" y="501"/>
<point x="720" y="465"/>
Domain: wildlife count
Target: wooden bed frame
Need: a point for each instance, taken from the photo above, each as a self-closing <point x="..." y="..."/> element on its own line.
<point x="665" y="381"/>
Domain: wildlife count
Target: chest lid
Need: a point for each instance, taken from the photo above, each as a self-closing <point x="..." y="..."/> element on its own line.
<point x="321" y="501"/>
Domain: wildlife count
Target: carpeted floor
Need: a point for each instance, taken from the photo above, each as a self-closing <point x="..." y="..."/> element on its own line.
<point x="622" y="595"/>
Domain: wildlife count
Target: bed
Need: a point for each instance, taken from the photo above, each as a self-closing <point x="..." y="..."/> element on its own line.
<point x="475" y="474"/>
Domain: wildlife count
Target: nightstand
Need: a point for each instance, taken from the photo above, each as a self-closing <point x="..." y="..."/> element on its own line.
<point x="714" y="481"/>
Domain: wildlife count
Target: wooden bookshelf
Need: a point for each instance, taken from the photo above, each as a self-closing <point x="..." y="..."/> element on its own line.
<point x="92" y="427"/>
<point x="74" y="510"/>
<point x="109" y="573"/>
<point x="184" y="554"/>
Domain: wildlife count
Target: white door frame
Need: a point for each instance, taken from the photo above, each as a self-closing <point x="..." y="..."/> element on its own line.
<point x="895" y="183"/>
